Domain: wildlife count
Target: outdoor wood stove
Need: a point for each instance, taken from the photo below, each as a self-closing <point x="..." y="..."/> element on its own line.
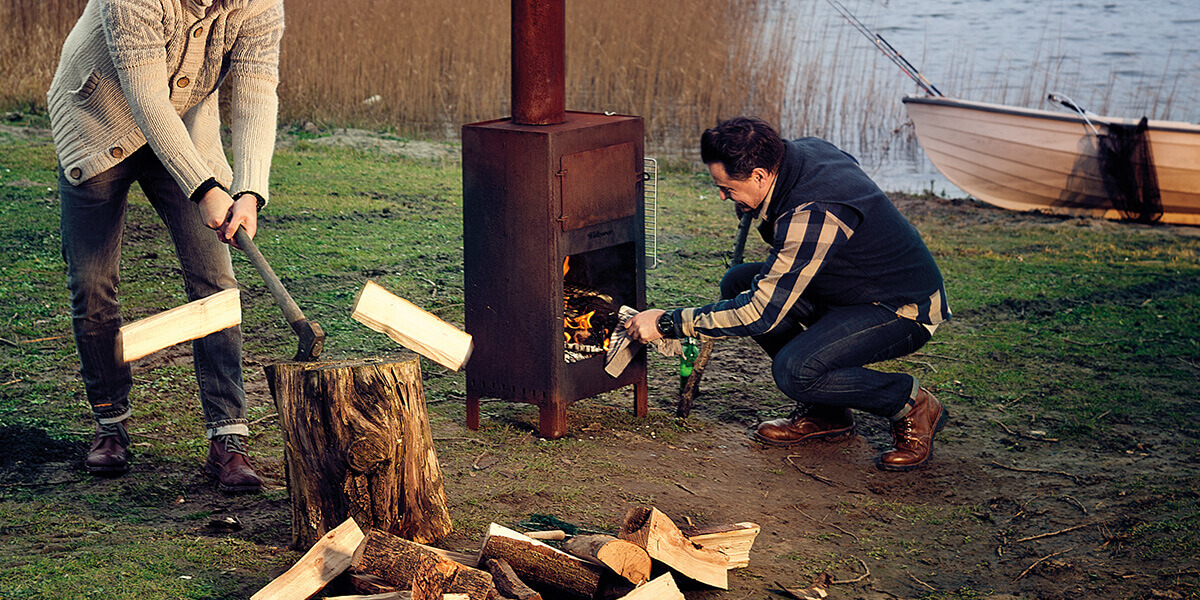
<point x="552" y="219"/>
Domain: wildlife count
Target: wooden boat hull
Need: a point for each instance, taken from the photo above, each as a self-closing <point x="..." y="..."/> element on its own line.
<point x="1037" y="160"/>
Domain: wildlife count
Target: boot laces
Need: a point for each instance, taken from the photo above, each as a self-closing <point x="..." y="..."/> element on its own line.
<point x="905" y="429"/>
<point x="802" y="409"/>
<point x="117" y="430"/>
<point x="234" y="444"/>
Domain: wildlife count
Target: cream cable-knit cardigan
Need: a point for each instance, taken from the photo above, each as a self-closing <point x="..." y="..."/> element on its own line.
<point x="138" y="71"/>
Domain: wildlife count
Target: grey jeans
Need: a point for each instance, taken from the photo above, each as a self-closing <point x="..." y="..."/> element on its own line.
<point x="92" y="223"/>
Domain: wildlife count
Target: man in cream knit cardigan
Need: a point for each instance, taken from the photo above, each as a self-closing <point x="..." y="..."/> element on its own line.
<point x="135" y="99"/>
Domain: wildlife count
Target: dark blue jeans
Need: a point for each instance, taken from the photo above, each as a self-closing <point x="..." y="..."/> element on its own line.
<point x="818" y="353"/>
<point x="92" y="222"/>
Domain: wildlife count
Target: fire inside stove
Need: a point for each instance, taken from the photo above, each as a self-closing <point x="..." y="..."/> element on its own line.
<point x="589" y="318"/>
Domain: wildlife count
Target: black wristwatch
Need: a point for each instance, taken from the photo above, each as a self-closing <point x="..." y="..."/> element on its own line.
<point x="666" y="325"/>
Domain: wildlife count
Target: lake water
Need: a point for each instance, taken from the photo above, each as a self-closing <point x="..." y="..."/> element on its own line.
<point x="1125" y="58"/>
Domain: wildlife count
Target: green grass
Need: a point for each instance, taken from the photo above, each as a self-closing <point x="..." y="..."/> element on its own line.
<point x="1087" y="332"/>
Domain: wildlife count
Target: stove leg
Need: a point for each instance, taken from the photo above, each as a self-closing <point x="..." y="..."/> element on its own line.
<point x="552" y="418"/>
<point x="472" y="411"/>
<point x="641" y="393"/>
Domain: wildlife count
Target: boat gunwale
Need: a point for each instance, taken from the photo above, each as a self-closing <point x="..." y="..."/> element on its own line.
<point x="1154" y="125"/>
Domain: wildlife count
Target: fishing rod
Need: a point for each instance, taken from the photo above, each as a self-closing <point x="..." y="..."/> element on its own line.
<point x="887" y="50"/>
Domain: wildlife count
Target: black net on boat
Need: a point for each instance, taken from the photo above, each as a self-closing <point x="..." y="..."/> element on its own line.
<point x="1128" y="171"/>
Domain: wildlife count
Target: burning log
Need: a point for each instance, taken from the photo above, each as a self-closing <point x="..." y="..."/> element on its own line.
<point x="625" y="558"/>
<point x="539" y="564"/>
<point x="654" y="531"/>
<point x="357" y="444"/>
<point x="398" y="561"/>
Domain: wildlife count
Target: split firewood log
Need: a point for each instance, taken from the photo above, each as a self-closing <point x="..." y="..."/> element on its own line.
<point x="433" y="575"/>
<point x="329" y="557"/>
<point x="539" y="564"/>
<point x="370" y="585"/>
<point x="549" y="534"/>
<point x="733" y="540"/>
<point x="507" y="582"/>
<point x="397" y="560"/>
<point x="654" y="531"/>
<point x="660" y="588"/>
<point x="397" y="595"/>
<point x="625" y="558"/>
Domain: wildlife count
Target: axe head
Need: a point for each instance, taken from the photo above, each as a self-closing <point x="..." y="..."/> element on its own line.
<point x="311" y="340"/>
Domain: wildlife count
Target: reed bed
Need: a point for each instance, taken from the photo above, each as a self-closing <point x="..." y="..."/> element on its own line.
<point x="422" y="68"/>
<point x="425" y="67"/>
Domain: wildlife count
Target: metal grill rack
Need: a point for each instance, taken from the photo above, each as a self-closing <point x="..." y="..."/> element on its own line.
<point x="650" y="200"/>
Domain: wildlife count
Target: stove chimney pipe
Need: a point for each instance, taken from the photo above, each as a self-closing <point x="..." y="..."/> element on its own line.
<point x="539" y="32"/>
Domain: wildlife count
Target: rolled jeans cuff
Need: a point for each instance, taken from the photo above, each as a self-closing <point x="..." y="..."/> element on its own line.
<point x="227" y="428"/>
<point x="109" y="420"/>
<point x="912" y="397"/>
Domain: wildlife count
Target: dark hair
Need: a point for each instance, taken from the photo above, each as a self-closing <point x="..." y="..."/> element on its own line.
<point x="742" y="144"/>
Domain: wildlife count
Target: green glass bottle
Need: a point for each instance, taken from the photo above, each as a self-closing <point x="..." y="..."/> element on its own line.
<point x="691" y="350"/>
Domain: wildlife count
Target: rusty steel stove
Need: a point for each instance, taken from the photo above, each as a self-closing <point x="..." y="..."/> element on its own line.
<point x="553" y="228"/>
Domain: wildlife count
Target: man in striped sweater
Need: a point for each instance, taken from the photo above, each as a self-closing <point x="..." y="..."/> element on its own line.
<point x="848" y="282"/>
<point x="135" y="99"/>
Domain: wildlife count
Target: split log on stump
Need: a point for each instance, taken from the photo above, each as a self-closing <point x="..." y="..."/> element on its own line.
<point x="661" y="588"/>
<point x="328" y="558"/>
<point x="508" y="583"/>
<point x="733" y="540"/>
<point x="357" y="444"/>
<point x="191" y="321"/>
<point x="413" y="327"/>
<point x="625" y="558"/>
<point x="541" y="565"/>
<point x="654" y="531"/>
<point x="396" y="560"/>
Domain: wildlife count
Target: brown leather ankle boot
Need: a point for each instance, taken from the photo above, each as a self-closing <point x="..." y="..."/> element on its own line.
<point x="229" y="462"/>
<point x="109" y="454"/>
<point x="812" y="423"/>
<point x="913" y="434"/>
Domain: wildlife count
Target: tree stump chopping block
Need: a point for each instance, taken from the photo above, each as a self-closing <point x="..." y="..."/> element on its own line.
<point x="357" y="444"/>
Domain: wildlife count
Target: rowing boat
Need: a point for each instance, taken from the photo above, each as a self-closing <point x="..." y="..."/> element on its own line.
<point x="1037" y="160"/>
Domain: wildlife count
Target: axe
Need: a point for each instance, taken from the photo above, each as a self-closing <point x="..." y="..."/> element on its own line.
<point x="312" y="338"/>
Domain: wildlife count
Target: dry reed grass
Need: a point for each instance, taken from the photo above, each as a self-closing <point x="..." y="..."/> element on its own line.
<point x="425" y="67"/>
<point x="31" y="36"/>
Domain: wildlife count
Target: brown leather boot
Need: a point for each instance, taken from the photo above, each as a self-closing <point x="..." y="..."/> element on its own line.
<point x="914" y="434"/>
<point x="109" y="454"/>
<point x="814" y="423"/>
<point x="229" y="462"/>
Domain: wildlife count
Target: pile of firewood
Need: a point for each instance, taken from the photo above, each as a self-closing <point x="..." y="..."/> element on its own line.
<point x="640" y="563"/>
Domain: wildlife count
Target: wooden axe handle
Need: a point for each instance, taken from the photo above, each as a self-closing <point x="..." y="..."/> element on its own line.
<point x="312" y="337"/>
<point x="291" y="311"/>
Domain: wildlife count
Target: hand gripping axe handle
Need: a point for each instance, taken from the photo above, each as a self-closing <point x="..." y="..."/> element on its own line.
<point x="312" y="338"/>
